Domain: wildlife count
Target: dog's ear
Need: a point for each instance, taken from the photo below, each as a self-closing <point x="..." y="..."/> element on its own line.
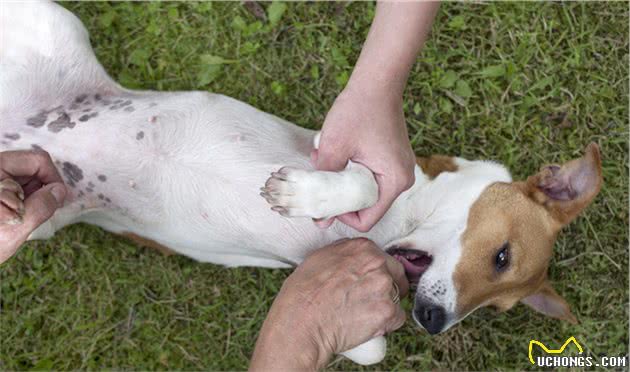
<point x="547" y="301"/>
<point x="566" y="190"/>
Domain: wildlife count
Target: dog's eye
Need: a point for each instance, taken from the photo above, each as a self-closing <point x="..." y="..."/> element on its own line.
<point x="502" y="260"/>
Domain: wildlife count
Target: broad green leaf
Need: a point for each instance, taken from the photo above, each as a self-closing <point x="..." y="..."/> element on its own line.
<point x="278" y="88"/>
<point x="338" y="57"/>
<point x="446" y="105"/>
<point x="417" y="109"/>
<point x="173" y="12"/>
<point x="462" y="89"/>
<point x="210" y="59"/>
<point x="249" y="47"/>
<point x="342" y="78"/>
<point x="493" y="71"/>
<point x="107" y="18"/>
<point x="448" y="80"/>
<point x="315" y="72"/>
<point x="139" y="57"/>
<point x="457" y="22"/>
<point x="238" y="23"/>
<point x="275" y="12"/>
<point x="207" y="74"/>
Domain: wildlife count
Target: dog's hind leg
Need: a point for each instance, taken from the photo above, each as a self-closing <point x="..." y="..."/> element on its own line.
<point x="46" y="61"/>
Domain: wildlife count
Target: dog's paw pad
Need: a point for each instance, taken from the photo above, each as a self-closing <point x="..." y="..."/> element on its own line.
<point x="11" y="203"/>
<point x="287" y="192"/>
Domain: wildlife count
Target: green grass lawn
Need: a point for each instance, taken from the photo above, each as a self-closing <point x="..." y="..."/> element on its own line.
<point x="522" y="83"/>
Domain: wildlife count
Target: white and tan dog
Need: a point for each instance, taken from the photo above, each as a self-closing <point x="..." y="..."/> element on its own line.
<point x="183" y="170"/>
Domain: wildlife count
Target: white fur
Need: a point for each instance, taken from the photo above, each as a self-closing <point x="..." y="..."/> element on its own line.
<point x="192" y="181"/>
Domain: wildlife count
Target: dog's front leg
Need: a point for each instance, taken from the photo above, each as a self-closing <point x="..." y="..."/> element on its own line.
<point x="317" y="194"/>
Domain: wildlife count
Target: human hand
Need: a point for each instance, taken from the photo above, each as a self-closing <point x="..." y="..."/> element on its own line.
<point x="338" y="298"/>
<point x="368" y="127"/>
<point x="31" y="190"/>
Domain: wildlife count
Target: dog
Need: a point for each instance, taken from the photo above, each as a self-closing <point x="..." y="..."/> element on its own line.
<point x="183" y="170"/>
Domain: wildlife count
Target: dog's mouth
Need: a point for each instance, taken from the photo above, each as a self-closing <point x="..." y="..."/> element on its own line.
<point x="414" y="261"/>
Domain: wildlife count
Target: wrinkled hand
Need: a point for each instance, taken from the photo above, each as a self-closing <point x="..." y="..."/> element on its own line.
<point x="31" y="190"/>
<point x="368" y="127"/>
<point x="338" y="298"/>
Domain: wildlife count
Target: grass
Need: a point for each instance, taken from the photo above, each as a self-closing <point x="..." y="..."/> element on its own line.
<point x="522" y="83"/>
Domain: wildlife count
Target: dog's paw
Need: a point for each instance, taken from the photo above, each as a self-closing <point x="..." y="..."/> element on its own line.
<point x="296" y="193"/>
<point x="11" y="203"/>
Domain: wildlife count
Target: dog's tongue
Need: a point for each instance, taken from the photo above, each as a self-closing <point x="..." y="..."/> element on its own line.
<point x="409" y="267"/>
<point x="413" y="271"/>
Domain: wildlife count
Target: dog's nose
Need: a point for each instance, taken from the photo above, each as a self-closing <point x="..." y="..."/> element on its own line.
<point x="432" y="317"/>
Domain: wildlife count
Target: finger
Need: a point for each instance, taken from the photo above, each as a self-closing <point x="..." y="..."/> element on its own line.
<point x="397" y="271"/>
<point x="39" y="207"/>
<point x="11" y="185"/>
<point x="11" y="200"/>
<point x="29" y="163"/>
<point x="397" y="321"/>
<point x="324" y="223"/>
<point x="367" y="218"/>
<point x="314" y="156"/>
<point x="330" y="158"/>
<point x="9" y="216"/>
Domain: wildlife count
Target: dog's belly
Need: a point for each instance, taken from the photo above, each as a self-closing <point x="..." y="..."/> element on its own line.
<point x="182" y="169"/>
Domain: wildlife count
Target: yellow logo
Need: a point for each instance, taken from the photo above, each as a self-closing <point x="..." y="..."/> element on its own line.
<point x="553" y="351"/>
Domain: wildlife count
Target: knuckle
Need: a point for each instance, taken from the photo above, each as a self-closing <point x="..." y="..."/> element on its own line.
<point x="41" y="156"/>
<point x="386" y="310"/>
<point x="376" y="259"/>
<point x="383" y="283"/>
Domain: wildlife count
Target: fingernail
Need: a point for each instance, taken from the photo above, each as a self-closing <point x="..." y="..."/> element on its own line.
<point x="58" y="192"/>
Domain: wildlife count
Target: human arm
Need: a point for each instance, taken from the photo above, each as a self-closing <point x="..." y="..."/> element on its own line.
<point x="366" y="123"/>
<point x="338" y="298"/>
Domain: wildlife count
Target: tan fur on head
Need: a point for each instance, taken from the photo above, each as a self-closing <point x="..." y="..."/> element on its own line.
<point x="436" y="164"/>
<point x="527" y="216"/>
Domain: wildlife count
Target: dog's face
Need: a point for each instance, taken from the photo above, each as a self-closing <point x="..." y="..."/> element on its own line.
<point x="502" y="254"/>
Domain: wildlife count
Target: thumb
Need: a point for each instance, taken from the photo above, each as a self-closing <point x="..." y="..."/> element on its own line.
<point x="41" y="205"/>
<point x="328" y="159"/>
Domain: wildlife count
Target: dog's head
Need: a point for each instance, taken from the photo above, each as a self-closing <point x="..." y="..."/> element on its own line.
<point x="500" y="253"/>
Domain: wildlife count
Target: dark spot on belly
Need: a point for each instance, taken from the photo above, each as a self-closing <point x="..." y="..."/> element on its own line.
<point x="74" y="106"/>
<point x="38" y="120"/>
<point x="37" y="147"/>
<point x="89" y="190"/>
<point x="97" y="97"/>
<point x="126" y="103"/>
<point x="62" y="122"/>
<point x="80" y="194"/>
<point x="152" y="104"/>
<point x="87" y="109"/>
<point x="118" y="101"/>
<point x="140" y="135"/>
<point x="80" y="98"/>
<point x="101" y="196"/>
<point x="90" y="185"/>
<point x="73" y="173"/>
<point x="12" y="136"/>
<point x="108" y="200"/>
<point x="106" y="102"/>
<point x="87" y="117"/>
<point x="102" y="178"/>
<point x="129" y="109"/>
